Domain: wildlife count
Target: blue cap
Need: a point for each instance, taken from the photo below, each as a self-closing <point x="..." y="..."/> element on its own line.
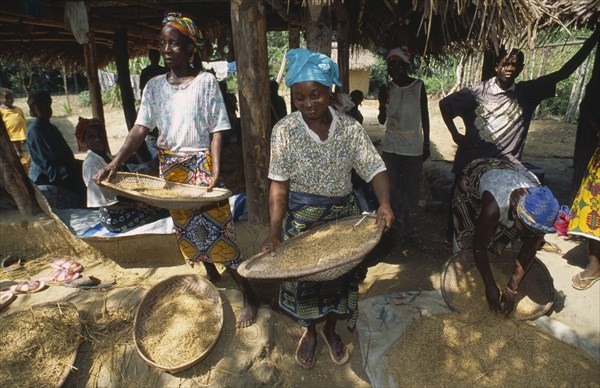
<point x="538" y="210"/>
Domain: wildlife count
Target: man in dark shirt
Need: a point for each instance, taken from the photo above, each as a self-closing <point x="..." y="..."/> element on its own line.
<point x="152" y="70"/>
<point x="52" y="160"/>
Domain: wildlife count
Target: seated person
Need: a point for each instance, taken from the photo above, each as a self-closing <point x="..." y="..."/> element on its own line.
<point x="14" y="120"/>
<point x="54" y="168"/>
<point x="495" y="202"/>
<point x="116" y="214"/>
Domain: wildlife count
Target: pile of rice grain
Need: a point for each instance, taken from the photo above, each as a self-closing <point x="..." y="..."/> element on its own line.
<point x="158" y="192"/>
<point x="469" y="293"/>
<point x="179" y="330"/>
<point x="37" y="344"/>
<point x="326" y="246"/>
<point x="482" y="349"/>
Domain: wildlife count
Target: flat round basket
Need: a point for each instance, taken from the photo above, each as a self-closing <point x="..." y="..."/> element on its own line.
<point x="325" y="252"/>
<point x="40" y="345"/>
<point x="161" y="193"/>
<point x="463" y="289"/>
<point x="183" y="312"/>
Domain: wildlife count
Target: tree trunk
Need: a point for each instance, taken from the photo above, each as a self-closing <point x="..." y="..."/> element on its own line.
<point x="13" y="176"/>
<point x="459" y="74"/>
<point x="127" y="97"/>
<point x="91" y="68"/>
<point x="343" y="44"/>
<point x="586" y="139"/>
<point x="318" y="28"/>
<point x="66" y="86"/>
<point x="294" y="42"/>
<point x="576" y="92"/>
<point x="249" y="30"/>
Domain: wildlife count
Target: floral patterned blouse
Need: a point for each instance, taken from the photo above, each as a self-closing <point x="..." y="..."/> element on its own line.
<point x="185" y="115"/>
<point x="320" y="167"/>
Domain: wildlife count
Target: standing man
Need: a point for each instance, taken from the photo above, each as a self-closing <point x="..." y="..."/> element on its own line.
<point x="403" y="104"/>
<point x="497" y="112"/>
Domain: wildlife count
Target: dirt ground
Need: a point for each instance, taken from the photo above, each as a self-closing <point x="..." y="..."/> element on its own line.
<point x="262" y="354"/>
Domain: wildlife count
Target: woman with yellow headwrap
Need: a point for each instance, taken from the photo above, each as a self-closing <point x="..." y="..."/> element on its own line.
<point x="187" y="107"/>
<point x="313" y="152"/>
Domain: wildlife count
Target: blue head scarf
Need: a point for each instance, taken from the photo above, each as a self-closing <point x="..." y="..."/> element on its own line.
<point x="305" y="65"/>
<point x="538" y="210"/>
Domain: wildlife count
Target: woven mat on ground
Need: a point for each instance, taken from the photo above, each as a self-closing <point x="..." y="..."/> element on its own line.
<point x="384" y="319"/>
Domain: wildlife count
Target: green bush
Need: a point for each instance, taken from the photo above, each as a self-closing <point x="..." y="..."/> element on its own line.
<point x="84" y="99"/>
<point x="112" y="96"/>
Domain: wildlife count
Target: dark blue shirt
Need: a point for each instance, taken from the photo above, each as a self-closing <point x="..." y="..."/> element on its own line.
<point x="51" y="156"/>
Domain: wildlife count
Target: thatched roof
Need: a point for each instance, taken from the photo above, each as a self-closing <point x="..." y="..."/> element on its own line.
<point x="360" y="58"/>
<point x="34" y="30"/>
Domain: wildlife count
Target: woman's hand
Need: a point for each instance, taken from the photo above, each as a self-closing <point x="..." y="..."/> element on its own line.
<point x="213" y="181"/>
<point x="386" y="215"/>
<point x="270" y="244"/>
<point x="492" y="295"/>
<point x="508" y="301"/>
<point x="105" y="173"/>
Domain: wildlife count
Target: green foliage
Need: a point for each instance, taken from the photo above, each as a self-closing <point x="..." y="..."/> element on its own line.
<point x="67" y="109"/>
<point x="277" y="46"/>
<point x="378" y="76"/>
<point x="112" y="96"/>
<point x="85" y="99"/>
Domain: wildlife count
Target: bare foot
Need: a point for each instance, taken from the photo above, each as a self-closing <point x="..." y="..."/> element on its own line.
<point x="305" y="351"/>
<point x="248" y="315"/>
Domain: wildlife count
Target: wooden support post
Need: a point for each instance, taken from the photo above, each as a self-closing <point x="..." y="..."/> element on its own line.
<point x="91" y="68"/>
<point x="294" y="42"/>
<point x="249" y="30"/>
<point x="127" y="97"/>
<point x="343" y="41"/>
<point x="318" y="28"/>
<point x="13" y="176"/>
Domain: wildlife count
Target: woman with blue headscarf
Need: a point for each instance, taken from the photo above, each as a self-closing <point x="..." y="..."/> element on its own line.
<point x="313" y="152"/>
<point x="186" y="105"/>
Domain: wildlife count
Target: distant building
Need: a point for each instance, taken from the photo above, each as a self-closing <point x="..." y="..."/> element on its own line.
<point x="361" y="62"/>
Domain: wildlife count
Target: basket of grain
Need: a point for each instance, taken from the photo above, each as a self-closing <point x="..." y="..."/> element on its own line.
<point x="39" y="345"/>
<point x="178" y="323"/>
<point x="162" y="193"/>
<point x="463" y="289"/>
<point x="325" y="252"/>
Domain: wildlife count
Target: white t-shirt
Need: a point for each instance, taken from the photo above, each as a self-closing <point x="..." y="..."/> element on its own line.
<point x="404" y="134"/>
<point x="96" y="195"/>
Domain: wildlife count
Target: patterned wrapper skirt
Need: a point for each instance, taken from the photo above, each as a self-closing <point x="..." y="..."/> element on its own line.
<point x="466" y="204"/>
<point x="586" y="206"/>
<point x="205" y="234"/>
<point x="307" y="301"/>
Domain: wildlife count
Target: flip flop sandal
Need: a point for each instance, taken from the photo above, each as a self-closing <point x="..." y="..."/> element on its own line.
<point x="577" y="280"/>
<point x="89" y="283"/>
<point x="28" y="287"/>
<point x="11" y="263"/>
<point x="344" y="358"/>
<point x="6" y="298"/>
<point x="300" y="362"/>
<point x="67" y="265"/>
<point x="61" y="276"/>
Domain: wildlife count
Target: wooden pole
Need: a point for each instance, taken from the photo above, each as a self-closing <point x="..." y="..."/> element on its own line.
<point x="318" y="28"/>
<point x="294" y="42"/>
<point x="343" y="42"/>
<point x="13" y="176"/>
<point x="127" y="97"/>
<point x="91" y="67"/>
<point x="249" y="30"/>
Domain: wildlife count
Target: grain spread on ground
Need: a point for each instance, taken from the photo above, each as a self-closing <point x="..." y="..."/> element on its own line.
<point x="325" y="246"/>
<point x="179" y="329"/>
<point x="483" y="349"/>
<point x="36" y="345"/>
<point x="468" y="294"/>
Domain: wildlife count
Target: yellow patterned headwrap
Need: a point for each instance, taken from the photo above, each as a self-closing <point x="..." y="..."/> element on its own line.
<point x="186" y="26"/>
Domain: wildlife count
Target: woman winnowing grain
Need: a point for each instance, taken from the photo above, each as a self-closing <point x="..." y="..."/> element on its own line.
<point x="494" y="202"/>
<point x="313" y="151"/>
<point x="187" y="107"/>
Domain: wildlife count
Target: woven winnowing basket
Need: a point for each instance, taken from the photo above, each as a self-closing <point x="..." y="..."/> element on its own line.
<point x="537" y="285"/>
<point x="184" y="196"/>
<point x="189" y="284"/>
<point x="263" y="266"/>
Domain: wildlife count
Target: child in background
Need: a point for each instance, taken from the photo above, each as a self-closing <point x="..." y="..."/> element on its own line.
<point x="14" y="120"/>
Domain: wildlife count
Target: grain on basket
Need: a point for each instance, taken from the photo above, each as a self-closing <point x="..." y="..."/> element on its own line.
<point x="179" y="329"/>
